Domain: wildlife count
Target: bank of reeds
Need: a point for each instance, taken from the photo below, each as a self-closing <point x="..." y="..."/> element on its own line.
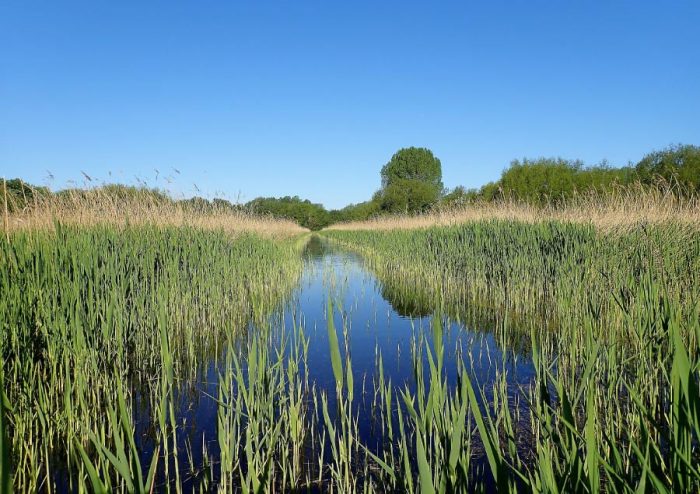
<point x="611" y="322"/>
<point x="623" y="207"/>
<point x="101" y="316"/>
<point x="132" y="206"/>
<point x="94" y="317"/>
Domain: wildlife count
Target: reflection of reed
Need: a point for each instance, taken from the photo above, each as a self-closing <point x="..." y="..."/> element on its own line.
<point x="411" y="299"/>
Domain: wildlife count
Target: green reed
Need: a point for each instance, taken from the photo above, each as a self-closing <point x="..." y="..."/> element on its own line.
<point x="89" y="315"/>
<point x="611" y="323"/>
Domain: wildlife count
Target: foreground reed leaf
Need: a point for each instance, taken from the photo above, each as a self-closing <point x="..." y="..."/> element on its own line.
<point x="334" y="347"/>
<point x="592" y="463"/>
<point x="424" y="473"/>
<point x="488" y="436"/>
<point x="97" y="486"/>
<point x="5" y="450"/>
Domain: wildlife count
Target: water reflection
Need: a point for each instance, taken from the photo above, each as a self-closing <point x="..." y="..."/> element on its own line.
<point x="406" y="302"/>
<point x="387" y="316"/>
<point x="377" y="316"/>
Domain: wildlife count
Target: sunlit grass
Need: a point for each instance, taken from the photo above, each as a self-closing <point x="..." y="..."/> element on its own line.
<point x="130" y="207"/>
<point x="614" y="210"/>
<point x="90" y="314"/>
<point x="614" y="402"/>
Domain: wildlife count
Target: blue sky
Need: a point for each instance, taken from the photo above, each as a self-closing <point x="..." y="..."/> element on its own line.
<point x="311" y="98"/>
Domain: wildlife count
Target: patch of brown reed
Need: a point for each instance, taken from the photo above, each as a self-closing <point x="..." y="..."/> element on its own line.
<point x="90" y="207"/>
<point x="621" y="208"/>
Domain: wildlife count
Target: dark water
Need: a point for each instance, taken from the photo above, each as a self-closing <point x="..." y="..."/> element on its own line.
<point x="378" y="317"/>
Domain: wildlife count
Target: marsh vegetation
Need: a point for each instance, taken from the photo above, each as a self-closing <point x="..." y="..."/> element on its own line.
<point x="545" y="357"/>
<point x="157" y="345"/>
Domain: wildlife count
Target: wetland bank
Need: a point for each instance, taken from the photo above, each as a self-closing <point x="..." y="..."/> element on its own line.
<point x="505" y="355"/>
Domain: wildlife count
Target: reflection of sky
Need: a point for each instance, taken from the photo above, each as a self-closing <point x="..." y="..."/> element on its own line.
<point x="373" y="327"/>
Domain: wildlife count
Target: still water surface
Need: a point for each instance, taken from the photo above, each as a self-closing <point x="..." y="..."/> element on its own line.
<point x="375" y="319"/>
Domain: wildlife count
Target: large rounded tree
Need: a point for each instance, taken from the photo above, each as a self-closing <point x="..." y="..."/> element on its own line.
<point x="411" y="181"/>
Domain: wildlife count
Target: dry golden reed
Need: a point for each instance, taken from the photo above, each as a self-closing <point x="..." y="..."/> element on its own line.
<point x="88" y="207"/>
<point x="621" y="208"/>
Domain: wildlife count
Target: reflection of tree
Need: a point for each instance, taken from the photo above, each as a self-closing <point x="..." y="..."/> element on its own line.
<point x="318" y="247"/>
<point x="314" y="248"/>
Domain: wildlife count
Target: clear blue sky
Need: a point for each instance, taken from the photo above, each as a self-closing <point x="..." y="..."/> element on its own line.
<point x="313" y="97"/>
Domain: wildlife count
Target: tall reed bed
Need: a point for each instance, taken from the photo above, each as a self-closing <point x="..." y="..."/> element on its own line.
<point x="615" y="209"/>
<point x="610" y="320"/>
<point x="121" y="206"/>
<point x="97" y="320"/>
<point x="91" y="315"/>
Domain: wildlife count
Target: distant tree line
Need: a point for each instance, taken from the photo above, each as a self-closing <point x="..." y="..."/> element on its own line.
<point x="553" y="180"/>
<point x="411" y="182"/>
<point x="21" y="194"/>
<point x="304" y="212"/>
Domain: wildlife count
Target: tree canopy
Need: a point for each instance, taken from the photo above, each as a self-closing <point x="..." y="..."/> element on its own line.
<point x="553" y="179"/>
<point x="413" y="164"/>
<point x="21" y="195"/>
<point x="411" y="181"/>
<point x="304" y="212"/>
<point x="408" y="195"/>
<point x="675" y="163"/>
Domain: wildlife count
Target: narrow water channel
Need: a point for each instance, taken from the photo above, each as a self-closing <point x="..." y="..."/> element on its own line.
<point x="373" y="318"/>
